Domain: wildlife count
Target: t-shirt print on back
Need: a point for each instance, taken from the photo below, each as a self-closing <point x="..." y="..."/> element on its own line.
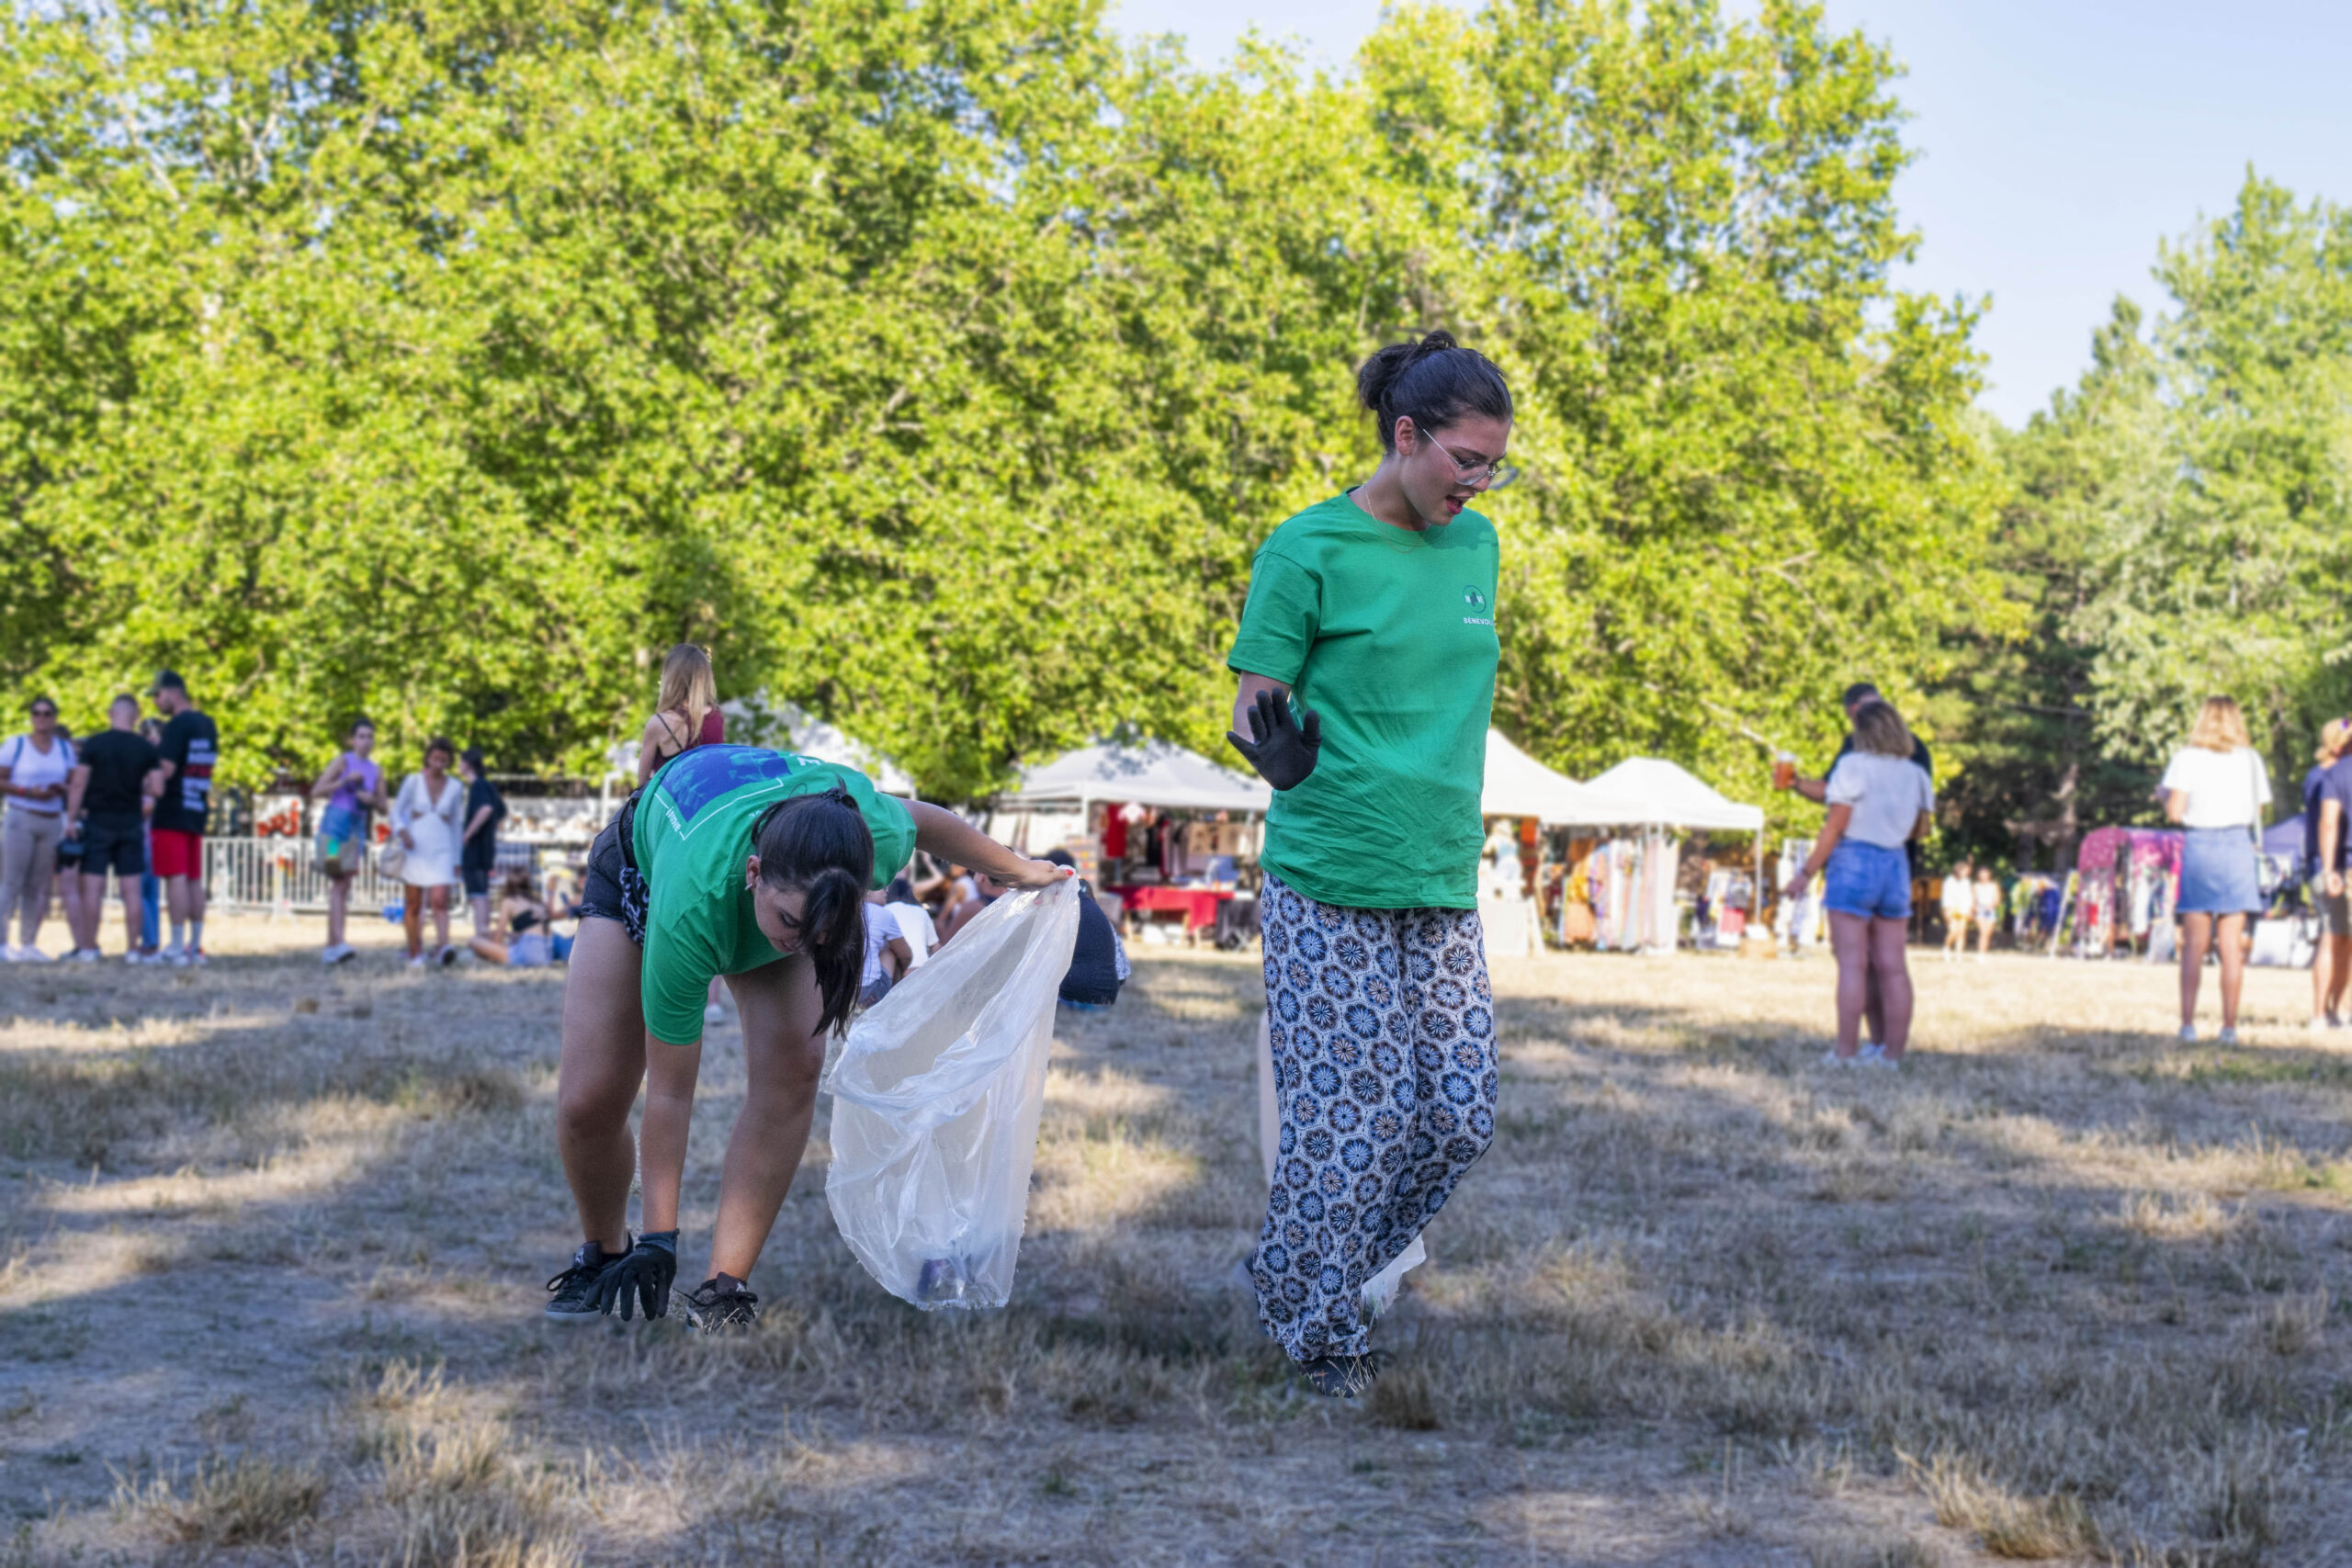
<point x="702" y="774"/>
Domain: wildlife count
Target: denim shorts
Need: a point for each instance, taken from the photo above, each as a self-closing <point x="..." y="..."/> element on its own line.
<point x="1871" y="880"/>
<point x="2219" y="874"/>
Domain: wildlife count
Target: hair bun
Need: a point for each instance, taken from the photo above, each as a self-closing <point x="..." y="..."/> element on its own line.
<point x="1435" y="343"/>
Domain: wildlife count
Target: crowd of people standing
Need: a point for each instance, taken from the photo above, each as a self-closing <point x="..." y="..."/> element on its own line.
<point x="130" y="800"/>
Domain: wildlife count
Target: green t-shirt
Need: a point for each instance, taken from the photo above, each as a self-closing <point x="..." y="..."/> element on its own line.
<point x="693" y="834"/>
<point x="1389" y="635"/>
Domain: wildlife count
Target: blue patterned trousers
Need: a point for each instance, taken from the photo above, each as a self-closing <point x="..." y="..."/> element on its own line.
<point x="1383" y="1028"/>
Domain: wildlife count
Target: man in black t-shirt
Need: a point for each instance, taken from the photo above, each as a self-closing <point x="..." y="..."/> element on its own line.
<point x="118" y="770"/>
<point x="191" y="749"/>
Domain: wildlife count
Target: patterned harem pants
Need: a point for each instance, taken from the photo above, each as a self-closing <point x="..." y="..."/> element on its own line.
<point x="1383" y="1028"/>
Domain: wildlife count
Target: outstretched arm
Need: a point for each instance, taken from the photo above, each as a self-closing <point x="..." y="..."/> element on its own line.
<point x="949" y="837"/>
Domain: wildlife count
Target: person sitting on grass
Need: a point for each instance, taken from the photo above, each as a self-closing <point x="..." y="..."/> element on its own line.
<point x="747" y="864"/>
<point x="525" y="916"/>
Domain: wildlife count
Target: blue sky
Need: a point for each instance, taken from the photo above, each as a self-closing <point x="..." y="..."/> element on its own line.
<point x="2060" y="141"/>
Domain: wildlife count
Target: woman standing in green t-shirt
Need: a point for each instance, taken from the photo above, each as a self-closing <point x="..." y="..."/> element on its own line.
<point x="1373" y="612"/>
<point x="747" y="864"/>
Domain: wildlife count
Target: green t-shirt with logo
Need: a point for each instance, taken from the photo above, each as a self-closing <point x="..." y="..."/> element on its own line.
<point x="693" y="833"/>
<point x="1389" y="635"/>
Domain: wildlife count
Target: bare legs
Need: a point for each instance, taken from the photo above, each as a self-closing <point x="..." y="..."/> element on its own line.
<point x="606" y="1054"/>
<point x="602" y="1063"/>
<point x="2198" y="933"/>
<point x="338" y="908"/>
<point x="93" y="908"/>
<point x="1873" y="970"/>
<point x="412" y="910"/>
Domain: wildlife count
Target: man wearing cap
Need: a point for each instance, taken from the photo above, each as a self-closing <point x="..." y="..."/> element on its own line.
<point x="191" y="748"/>
<point x="2327" y="848"/>
<point x="1817" y="790"/>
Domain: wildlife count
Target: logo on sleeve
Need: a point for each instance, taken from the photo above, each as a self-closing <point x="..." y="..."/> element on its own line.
<point x="1477" y="602"/>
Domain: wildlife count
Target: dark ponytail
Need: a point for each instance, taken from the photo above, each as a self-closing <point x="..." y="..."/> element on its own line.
<point x="1432" y="382"/>
<point x="821" y="845"/>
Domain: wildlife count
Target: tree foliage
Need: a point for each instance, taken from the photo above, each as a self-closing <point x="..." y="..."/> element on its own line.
<point x="942" y="364"/>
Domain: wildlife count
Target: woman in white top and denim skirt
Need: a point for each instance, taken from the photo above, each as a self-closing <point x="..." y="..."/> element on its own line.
<point x="2216" y="787"/>
<point x="1879" y="800"/>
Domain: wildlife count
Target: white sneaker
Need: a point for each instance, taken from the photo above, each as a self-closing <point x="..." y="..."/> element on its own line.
<point x="445" y="957"/>
<point x="342" y="953"/>
<point x="32" y="955"/>
<point x="1876" y="1056"/>
<point x="417" y="963"/>
<point x="178" y="957"/>
<point x="86" y="955"/>
<point x="2228" y="1035"/>
<point x="1830" y="1059"/>
<point x="2188" y="1034"/>
<point x="713" y="1013"/>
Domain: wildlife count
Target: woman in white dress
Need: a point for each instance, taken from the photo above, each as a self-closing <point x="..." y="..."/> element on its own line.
<point x="427" y="820"/>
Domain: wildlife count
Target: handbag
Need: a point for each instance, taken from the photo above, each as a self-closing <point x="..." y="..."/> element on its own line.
<point x="391" y="859"/>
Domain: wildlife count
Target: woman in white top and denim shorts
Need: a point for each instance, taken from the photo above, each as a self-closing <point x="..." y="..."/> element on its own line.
<point x="2215" y="787"/>
<point x="1879" y="800"/>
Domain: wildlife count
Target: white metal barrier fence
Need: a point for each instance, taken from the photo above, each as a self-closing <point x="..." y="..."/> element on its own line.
<point x="283" y="874"/>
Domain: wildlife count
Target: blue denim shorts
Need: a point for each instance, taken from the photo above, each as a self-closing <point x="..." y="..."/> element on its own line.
<point x="1871" y="880"/>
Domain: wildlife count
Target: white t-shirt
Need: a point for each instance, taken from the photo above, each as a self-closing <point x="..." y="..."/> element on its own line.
<point x="879" y="929"/>
<point x="1886" y="792"/>
<point x="2225" y="789"/>
<point x="29" y="768"/>
<point x="1958" y="896"/>
<point x="914" y="924"/>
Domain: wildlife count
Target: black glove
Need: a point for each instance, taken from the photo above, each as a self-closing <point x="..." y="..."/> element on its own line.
<point x="1282" y="750"/>
<point x="640" y="1276"/>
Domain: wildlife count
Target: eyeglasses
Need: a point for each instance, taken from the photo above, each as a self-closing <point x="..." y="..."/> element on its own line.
<point x="1478" y="476"/>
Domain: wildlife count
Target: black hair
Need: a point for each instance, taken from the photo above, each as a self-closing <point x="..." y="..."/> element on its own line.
<point x="439" y="743"/>
<point x="821" y="845"/>
<point x="471" y="757"/>
<point x="1061" y="856"/>
<point x="38" y="701"/>
<point x="120" y="698"/>
<point x="1858" y="693"/>
<point x="1432" y="382"/>
<point x="358" y="724"/>
<point x="901" y="891"/>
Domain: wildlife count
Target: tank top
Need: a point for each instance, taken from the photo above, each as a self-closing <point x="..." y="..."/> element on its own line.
<point x="712" y="733"/>
<point x="31" y="767"/>
<point x="360" y="776"/>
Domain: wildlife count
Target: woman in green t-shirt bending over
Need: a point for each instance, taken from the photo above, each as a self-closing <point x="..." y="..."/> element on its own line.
<point x="753" y="866"/>
<point x="1373" y="612"/>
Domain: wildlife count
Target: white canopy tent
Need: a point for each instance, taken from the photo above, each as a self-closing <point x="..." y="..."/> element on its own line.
<point x="1519" y="786"/>
<point x="1153" y="773"/>
<point x="1667" y="796"/>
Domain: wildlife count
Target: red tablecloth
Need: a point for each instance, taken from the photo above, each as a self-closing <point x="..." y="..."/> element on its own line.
<point x="1198" y="904"/>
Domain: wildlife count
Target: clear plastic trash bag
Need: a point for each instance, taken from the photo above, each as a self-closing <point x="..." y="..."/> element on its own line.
<point x="936" y="1098"/>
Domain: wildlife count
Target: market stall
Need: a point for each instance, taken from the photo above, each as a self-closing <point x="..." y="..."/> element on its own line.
<point x="1521" y="797"/>
<point x="1621" y="881"/>
<point x="1165" y="830"/>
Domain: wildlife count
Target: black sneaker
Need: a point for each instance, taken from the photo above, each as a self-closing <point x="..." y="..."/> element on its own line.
<point x="573" y="1291"/>
<point x="722" y="1304"/>
<point x="1343" y="1377"/>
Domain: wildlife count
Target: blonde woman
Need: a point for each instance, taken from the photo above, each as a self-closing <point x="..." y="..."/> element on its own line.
<point x="1959" y="902"/>
<point x="2216" y="787"/>
<point x="685" y="717"/>
<point x="1988" y="910"/>
<point x="1879" y="801"/>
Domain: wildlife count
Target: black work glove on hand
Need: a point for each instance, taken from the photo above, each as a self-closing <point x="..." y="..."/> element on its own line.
<point x="640" y="1276"/>
<point x="1283" y="749"/>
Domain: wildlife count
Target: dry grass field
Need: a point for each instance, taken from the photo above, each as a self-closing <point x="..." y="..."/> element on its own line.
<point x="272" y="1243"/>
